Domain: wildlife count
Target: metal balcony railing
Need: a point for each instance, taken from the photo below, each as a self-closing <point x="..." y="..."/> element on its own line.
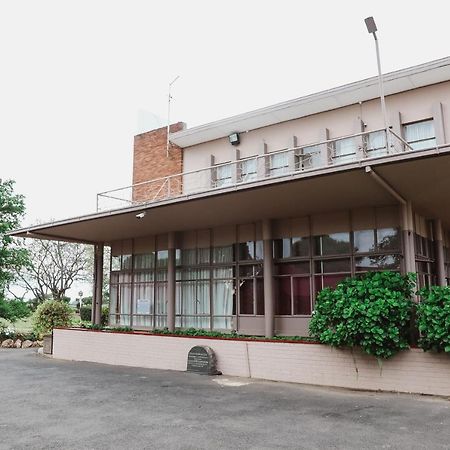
<point x="279" y="164"/>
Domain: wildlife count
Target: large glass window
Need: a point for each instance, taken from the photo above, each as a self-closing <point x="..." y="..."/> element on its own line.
<point x="332" y="244"/>
<point x="296" y="247"/>
<point x="383" y="239"/>
<point x="420" y="135"/>
<point x="205" y="291"/>
<point x="250" y="250"/>
<point x="121" y="285"/>
<point x="193" y="298"/>
<point x="293" y="289"/>
<point x="251" y="289"/>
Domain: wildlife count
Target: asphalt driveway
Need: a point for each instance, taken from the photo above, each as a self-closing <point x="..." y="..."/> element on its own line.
<point x="48" y="404"/>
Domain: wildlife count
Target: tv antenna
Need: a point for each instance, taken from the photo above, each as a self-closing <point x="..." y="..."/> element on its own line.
<point x="168" y="114"/>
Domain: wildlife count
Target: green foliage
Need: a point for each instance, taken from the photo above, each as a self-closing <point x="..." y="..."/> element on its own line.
<point x="13" y="310"/>
<point x="372" y="312"/>
<point x="86" y="314"/>
<point x="51" y="314"/>
<point x="12" y="257"/>
<point x="8" y="333"/>
<point x="433" y="318"/>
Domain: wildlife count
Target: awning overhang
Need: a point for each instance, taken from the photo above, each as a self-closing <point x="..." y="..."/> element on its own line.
<point x="422" y="177"/>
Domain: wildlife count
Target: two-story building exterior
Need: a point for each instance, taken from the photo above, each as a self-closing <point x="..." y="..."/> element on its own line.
<point x="239" y="223"/>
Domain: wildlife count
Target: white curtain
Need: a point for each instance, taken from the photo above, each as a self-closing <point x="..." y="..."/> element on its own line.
<point x="279" y="163"/>
<point x="420" y="135"/>
<point x="223" y="254"/>
<point x="248" y="170"/>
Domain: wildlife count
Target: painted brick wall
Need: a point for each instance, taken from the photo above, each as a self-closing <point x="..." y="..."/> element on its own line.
<point x="410" y="371"/>
<point x="150" y="161"/>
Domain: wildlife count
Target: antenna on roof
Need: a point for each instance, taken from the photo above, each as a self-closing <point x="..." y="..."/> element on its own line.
<point x="168" y="114"/>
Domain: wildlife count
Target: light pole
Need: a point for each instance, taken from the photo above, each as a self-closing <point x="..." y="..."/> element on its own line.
<point x="80" y="294"/>
<point x="372" y="29"/>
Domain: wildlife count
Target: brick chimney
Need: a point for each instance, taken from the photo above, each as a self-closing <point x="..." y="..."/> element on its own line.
<point x="150" y="161"/>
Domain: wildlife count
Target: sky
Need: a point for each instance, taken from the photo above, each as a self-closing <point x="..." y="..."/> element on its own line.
<point x="79" y="78"/>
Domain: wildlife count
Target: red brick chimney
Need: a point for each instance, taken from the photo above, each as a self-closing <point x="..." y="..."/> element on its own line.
<point x="150" y="161"/>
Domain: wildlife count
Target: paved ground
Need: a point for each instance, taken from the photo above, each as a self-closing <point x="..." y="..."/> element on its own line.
<point x="47" y="404"/>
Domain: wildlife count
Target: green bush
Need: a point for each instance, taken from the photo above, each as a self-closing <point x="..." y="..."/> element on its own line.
<point x="372" y="312"/>
<point x="433" y="319"/>
<point x="86" y="311"/>
<point x="51" y="314"/>
<point x="13" y="310"/>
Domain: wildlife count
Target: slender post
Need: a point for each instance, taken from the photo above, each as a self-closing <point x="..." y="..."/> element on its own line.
<point x="439" y="249"/>
<point x="269" y="300"/>
<point x="171" y="283"/>
<point x="98" y="285"/>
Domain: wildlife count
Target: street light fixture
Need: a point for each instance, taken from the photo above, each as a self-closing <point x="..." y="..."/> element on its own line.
<point x="372" y="29"/>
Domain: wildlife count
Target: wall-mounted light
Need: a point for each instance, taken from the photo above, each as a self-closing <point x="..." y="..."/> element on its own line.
<point x="234" y="139"/>
<point x="141" y="215"/>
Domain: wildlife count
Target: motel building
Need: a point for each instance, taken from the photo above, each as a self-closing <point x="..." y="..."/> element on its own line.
<point x="238" y="224"/>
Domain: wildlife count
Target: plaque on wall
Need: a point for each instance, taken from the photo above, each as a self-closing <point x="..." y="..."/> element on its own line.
<point x="202" y="360"/>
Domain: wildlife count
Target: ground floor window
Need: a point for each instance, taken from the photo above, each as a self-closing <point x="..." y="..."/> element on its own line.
<point x="216" y="284"/>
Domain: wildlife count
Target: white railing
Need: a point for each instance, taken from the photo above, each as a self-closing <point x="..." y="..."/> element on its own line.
<point x="279" y="164"/>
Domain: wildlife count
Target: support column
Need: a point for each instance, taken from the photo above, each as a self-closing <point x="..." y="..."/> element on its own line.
<point x="97" y="298"/>
<point x="439" y="250"/>
<point x="171" y="282"/>
<point x="405" y="238"/>
<point x="269" y="297"/>
<point x="412" y="246"/>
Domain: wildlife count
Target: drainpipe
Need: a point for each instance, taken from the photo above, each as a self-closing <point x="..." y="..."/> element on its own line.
<point x="269" y="304"/>
<point x="407" y="221"/>
<point x="171" y="282"/>
<point x="439" y="250"/>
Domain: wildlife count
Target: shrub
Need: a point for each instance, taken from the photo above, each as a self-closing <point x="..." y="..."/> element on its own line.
<point x="372" y="312"/>
<point x="433" y="318"/>
<point x="86" y="314"/>
<point x="14" y="310"/>
<point x="51" y="314"/>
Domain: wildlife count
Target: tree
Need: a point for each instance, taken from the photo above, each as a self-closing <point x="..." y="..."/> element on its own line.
<point x="12" y="257"/>
<point x="54" y="267"/>
<point x="13" y="310"/>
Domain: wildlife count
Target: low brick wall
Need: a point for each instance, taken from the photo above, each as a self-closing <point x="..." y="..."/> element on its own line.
<point x="410" y="371"/>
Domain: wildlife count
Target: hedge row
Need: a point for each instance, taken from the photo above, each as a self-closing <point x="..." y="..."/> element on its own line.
<point x="375" y="312"/>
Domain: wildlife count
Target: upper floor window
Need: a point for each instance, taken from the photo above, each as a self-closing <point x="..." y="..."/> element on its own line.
<point x="223" y="175"/>
<point x="376" y="143"/>
<point x="307" y="157"/>
<point x="344" y="150"/>
<point x="279" y="164"/>
<point x="420" y="135"/>
<point x="248" y="170"/>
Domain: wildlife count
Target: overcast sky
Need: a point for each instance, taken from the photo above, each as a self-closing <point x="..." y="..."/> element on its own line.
<point x="79" y="78"/>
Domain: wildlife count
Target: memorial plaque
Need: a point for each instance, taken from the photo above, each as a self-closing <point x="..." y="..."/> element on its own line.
<point x="202" y="360"/>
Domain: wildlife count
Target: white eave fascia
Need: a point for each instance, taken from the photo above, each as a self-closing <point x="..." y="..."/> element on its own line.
<point x="394" y="82"/>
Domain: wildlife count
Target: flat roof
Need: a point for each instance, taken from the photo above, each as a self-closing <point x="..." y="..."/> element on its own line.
<point x="426" y="74"/>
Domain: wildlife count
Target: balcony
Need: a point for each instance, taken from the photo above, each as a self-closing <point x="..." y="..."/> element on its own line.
<point x="315" y="158"/>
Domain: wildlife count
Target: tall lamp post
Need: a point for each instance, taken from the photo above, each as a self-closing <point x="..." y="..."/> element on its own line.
<point x="372" y="29"/>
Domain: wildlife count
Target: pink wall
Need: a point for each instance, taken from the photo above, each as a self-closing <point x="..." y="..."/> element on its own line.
<point x="413" y="105"/>
<point x="410" y="371"/>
